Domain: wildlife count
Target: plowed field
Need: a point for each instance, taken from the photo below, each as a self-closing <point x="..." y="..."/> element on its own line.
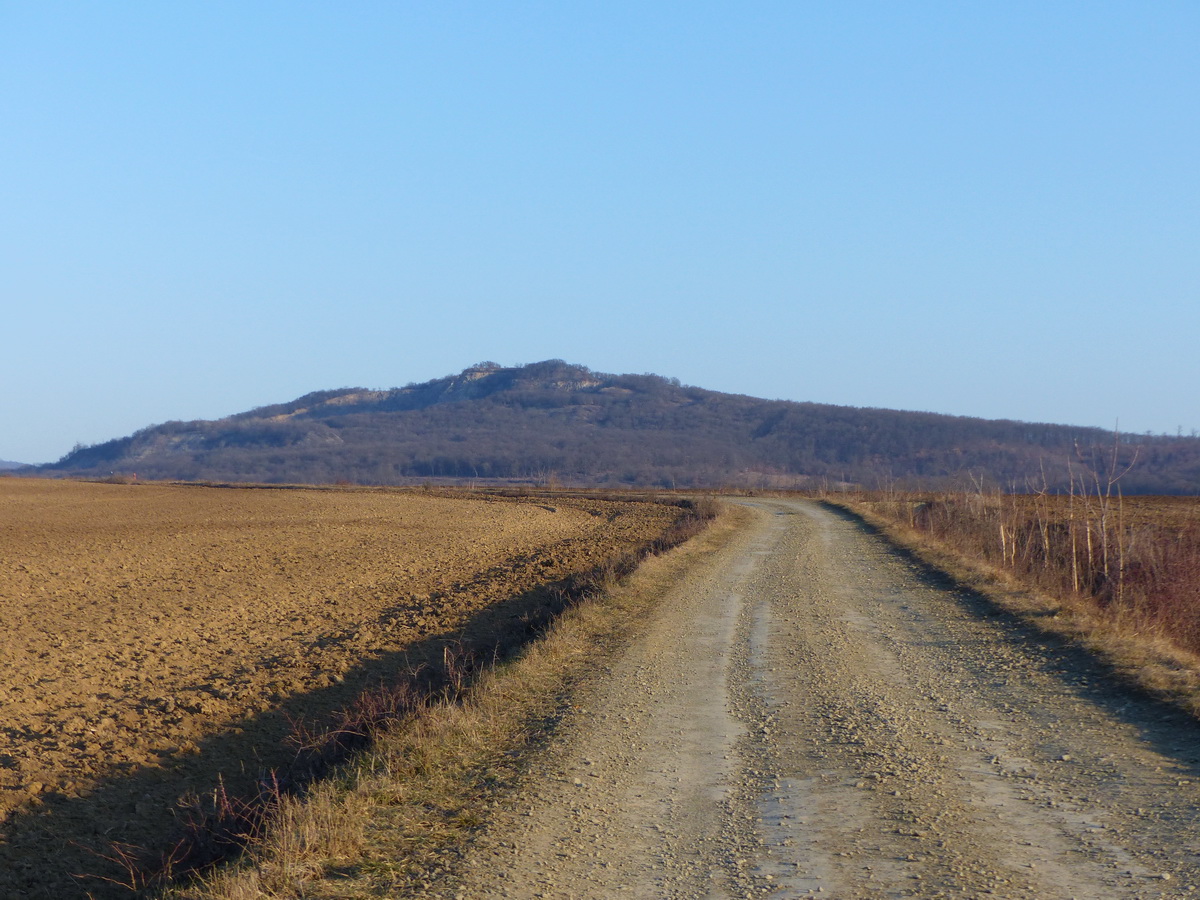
<point x="153" y="637"/>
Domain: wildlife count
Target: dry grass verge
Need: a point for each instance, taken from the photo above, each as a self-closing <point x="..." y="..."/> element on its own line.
<point x="1137" y="651"/>
<point x="395" y="818"/>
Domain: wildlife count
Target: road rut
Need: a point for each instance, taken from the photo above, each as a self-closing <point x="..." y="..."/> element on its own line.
<point x="813" y="713"/>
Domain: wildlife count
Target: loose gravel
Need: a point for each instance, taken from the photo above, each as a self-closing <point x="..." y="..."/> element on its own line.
<point x="813" y="713"/>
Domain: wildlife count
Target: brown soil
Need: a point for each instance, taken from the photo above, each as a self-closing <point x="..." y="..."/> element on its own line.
<point x="153" y="637"/>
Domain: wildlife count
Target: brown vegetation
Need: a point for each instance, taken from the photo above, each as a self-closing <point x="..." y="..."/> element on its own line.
<point x="1135" y="560"/>
<point x="160" y="640"/>
<point x="551" y="420"/>
<point x="1121" y="574"/>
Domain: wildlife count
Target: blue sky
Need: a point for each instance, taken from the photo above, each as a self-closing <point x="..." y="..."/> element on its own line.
<point x="980" y="209"/>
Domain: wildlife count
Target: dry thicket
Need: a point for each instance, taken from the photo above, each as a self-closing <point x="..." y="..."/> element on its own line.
<point x="1134" y="561"/>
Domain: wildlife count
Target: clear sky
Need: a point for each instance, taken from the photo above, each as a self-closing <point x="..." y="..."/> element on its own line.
<point x="984" y="209"/>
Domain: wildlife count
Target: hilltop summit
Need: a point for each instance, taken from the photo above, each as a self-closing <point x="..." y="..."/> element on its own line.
<point x="552" y="419"/>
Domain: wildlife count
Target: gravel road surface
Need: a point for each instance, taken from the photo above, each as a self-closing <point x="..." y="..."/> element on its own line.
<point x="811" y="713"/>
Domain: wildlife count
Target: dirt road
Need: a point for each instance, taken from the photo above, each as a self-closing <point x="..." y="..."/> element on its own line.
<point x="813" y="714"/>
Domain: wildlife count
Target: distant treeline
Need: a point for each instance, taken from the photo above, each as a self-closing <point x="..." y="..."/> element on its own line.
<point x="552" y="421"/>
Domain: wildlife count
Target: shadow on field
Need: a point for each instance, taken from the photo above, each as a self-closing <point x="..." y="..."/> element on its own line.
<point x="63" y="846"/>
<point x="1171" y="731"/>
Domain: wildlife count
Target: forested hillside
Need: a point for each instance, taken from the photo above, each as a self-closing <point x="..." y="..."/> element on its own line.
<point x="552" y="421"/>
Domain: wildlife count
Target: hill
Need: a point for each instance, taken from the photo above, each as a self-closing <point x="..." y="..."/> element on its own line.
<point x="555" y="421"/>
<point x="8" y="464"/>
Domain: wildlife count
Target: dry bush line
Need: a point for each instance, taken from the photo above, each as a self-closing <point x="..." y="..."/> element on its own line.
<point x="412" y="732"/>
<point x="1137" y="648"/>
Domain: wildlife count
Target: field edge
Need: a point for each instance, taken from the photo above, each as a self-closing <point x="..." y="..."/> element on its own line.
<point x="397" y="819"/>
